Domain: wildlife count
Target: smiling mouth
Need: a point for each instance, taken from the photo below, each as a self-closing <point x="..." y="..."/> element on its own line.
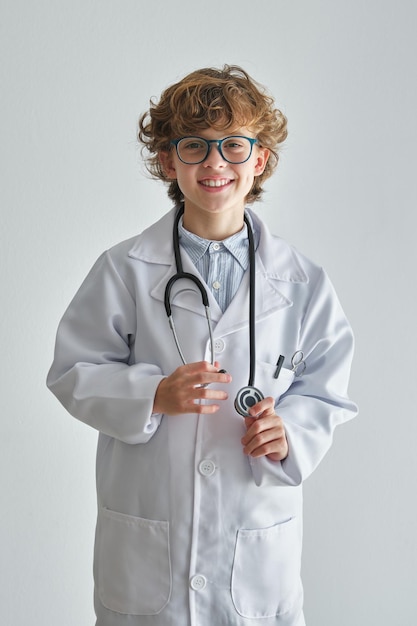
<point x="217" y="182"/>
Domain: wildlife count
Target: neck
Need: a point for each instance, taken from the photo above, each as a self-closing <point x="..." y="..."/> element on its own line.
<point x="214" y="227"/>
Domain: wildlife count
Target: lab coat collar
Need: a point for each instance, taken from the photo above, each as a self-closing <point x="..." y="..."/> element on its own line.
<point x="279" y="260"/>
<point x="277" y="255"/>
<point x="276" y="261"/>
<point x="154" y="245"/>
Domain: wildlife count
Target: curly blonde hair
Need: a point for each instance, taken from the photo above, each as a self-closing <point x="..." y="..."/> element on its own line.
<point x="222" y="99"/>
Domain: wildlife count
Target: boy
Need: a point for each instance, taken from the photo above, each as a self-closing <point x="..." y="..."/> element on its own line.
<point x="199" y="472"/>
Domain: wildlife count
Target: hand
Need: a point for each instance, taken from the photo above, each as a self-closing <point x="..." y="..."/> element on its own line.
<point x="265" y="434"/>
<point x="177" y="393"/>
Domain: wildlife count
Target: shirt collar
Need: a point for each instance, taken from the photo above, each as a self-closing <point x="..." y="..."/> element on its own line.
<point x="196" y="247"/>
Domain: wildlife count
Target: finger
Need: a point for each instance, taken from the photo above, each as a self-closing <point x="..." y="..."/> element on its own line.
<point x="190" y="370"/>
<point x="201" y="379"/>
<point x="264" y="407"/>
<point x="203" y="405"/>
<point x="263" y="424"/>
<point x="219" y="369"/>
<point x="187" y="398"/>
<point x="251" y="442"/>
<point x="208" y="393"/>
<point x="203" y="366"/>
<point x="249" y="421"/>
<point x="194" y="375"/>
<point x="266" y="442"/>
<point x="274" y="450"/>
<point x="204" y="408"/>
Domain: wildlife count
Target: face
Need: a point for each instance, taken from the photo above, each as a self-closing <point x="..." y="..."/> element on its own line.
<point x="215" y="187"/>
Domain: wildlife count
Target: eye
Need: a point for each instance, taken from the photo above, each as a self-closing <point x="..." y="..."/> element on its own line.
<point x="192" y="144"/>
<point x="234" y="143"/>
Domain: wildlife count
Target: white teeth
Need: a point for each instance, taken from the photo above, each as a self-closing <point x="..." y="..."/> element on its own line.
<point x="215" y="183"/>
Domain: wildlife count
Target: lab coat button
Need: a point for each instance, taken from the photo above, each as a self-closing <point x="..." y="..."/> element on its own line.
<point x="198" y="582"/>
<point x="206" y="468"/>
<point x="219" y="345"/>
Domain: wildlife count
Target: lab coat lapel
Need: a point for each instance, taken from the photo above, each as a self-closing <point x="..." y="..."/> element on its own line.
<point x="154" y="246"/>
<point x="276" y="265"/>
<point x="268" y="300"/>
<point x="184" y="293"/>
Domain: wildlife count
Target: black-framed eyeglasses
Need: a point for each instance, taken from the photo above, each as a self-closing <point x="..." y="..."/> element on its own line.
<point x="234" y="149"/>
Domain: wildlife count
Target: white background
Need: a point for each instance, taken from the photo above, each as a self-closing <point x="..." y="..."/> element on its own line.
<point x="74" y="78"/>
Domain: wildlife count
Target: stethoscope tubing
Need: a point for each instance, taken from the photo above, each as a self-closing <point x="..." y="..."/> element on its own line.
<point x="247" y="396"/>
<point x="252" y="295"/>
<point x="181" y="275"/>
<point x="198" y="283"/>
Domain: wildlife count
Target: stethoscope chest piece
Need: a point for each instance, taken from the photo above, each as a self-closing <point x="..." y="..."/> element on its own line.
<point x="246" y="398"/>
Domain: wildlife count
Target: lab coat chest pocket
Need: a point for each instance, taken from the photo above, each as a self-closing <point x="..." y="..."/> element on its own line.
<point x="270" y="385"/>
<point x="266" y="570"/>
<point x="133" y="563"/>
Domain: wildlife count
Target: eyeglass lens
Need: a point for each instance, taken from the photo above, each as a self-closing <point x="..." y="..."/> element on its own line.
<point x="193" y="150"/>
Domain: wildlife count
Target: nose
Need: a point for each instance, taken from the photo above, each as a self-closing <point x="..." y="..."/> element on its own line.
<point x="214" y="158"/>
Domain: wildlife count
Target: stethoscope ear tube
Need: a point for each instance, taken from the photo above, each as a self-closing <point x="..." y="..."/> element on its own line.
<point x="204" y="297"/>
<point x="173" y="280"/>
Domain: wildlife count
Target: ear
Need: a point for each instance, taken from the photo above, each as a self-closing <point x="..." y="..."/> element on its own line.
<point x="261" y="160"/>
<point x="167" y="162"/>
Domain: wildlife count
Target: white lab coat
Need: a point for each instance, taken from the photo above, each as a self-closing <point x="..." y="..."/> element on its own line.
<point x="190" y="531"/>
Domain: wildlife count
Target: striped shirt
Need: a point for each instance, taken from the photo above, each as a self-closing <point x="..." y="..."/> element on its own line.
<point x="221" y="264"/>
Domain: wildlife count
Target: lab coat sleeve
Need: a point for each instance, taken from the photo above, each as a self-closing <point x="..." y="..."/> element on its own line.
<point x="91" y="374"/>
<point x="317" y="401"/>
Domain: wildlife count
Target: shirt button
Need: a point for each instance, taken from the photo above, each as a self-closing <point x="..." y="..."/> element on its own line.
<point x="206" y="468"/>
<point x="216" y="284"/>
<point x="219" y="345"/>
<point x="198" y="582"/>
<point x="216" y="246"/>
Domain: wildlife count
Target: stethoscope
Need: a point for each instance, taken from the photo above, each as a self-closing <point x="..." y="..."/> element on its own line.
<point x="247" y="396"/>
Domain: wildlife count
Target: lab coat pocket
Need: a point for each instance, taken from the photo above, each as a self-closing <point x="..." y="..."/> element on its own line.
<point x="266" y="570"/>
<point x="270" y="385"/>
<point x="133" y="563"/>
